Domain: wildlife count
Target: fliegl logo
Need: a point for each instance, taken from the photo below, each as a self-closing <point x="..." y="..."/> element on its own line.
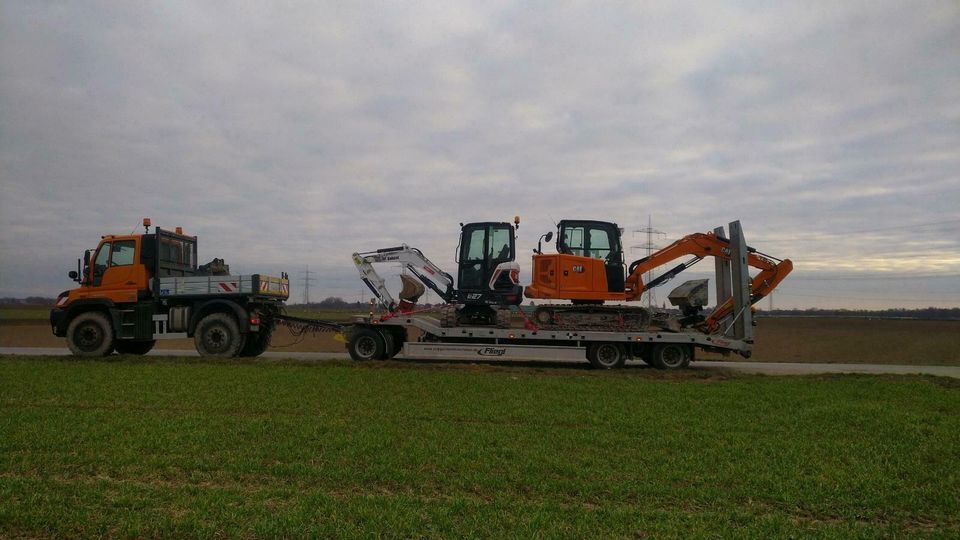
<point x="492" y="351"/>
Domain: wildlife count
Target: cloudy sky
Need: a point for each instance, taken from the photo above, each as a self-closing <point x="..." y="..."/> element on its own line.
<point x="292" y="134"/>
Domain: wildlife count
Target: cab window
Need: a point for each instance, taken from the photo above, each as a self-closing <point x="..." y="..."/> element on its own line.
<point x="103" y="256"/>
<point x="473" y="251"/>
<point x="122" y="253"/>
<point x="599" y="243"/>
<point x="499" y="244"/>
<point x="573" y="240"/>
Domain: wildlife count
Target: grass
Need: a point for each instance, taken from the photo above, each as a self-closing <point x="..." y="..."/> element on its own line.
<point x="25" y="313"/>
<point x="325" y="314"/>
<point x="180" y="447"/>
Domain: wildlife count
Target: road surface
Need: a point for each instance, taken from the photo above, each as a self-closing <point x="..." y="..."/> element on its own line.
<point x="767" y="368"/>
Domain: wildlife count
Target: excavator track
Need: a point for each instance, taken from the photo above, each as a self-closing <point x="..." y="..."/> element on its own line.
<point x="451" y="317"/>
<point x="597" y="318"/>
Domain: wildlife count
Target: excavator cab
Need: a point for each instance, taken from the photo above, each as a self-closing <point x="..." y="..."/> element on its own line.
<point x="587" y="268"/>
<point x="597" y="240"/>
<point x="487" y="271"/>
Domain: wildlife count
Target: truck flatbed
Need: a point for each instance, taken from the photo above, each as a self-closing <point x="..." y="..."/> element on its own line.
<point x="240" y="285"/>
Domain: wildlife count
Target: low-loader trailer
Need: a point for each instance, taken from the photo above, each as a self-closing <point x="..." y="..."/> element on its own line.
<point x="666" y="347"/>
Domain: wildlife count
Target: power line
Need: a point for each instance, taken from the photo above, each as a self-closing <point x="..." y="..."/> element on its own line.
<point x="306" y="280"/>
<point x="649" y="246"/>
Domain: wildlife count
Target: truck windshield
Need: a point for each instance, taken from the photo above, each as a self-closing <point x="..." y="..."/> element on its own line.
<point x="103" y="256"/>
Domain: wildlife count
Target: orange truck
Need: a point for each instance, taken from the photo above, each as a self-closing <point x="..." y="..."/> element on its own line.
<point x="138" y="288"/>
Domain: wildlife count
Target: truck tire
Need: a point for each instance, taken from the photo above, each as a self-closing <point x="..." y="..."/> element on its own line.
<point x="257" y="343"/>
<point x="134" y="347"/>
<point x="217" y="334"/>
<point x="90" y="334"/>
<point x="606" y="355"/>
<point x="366" y="344"/>
<point x="672" y="356"/>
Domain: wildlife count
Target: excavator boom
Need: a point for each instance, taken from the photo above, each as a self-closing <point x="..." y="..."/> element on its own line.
<point x="700" y="245"/>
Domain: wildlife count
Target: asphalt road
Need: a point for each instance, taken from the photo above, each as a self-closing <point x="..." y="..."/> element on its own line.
<point x="767" y="368"/>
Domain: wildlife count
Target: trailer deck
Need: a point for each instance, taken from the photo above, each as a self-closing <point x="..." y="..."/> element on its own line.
<point x="385" y="337"/>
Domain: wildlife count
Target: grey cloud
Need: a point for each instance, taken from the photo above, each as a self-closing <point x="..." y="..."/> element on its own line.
<point x="294" y="135"/>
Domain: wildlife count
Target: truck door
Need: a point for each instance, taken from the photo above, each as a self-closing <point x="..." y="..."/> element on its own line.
<point x="116" y="279"/>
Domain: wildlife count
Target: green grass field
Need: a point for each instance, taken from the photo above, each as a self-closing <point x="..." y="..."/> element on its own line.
<point x="181" y="447"/>
<point x="24" y="313"/>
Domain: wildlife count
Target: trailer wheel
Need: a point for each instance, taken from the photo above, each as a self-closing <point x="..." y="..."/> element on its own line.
<point x="257" y="343"/>
<point x="606" y="355"/>
<point x="366" y="344"/>
<point x="218" y="335"/>
<point x="134" y="347"/>
<point x="90" y="334"/>
<point x="672" y="356"/>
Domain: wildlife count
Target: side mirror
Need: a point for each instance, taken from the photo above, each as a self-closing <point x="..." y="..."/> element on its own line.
<point x="546" y="237"/>
<point x="86" y="258"/>
<point x="73" y="275"/>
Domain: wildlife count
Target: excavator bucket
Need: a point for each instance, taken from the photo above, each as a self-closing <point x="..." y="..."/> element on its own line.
<point x="412" y="289"/>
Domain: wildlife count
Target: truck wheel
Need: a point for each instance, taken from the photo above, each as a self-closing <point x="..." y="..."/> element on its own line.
<point x="257" y="343"/>
<point x="672" y="356"/>
<point x="366" y="344"/>
<point x="217" y="335"/>
<point x="90" y="334"/>
<point x="134" y="347"/>
<point x="606" y="355"/>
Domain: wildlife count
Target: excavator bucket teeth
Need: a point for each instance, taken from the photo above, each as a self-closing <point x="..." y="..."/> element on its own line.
<point x="412" y="289"/>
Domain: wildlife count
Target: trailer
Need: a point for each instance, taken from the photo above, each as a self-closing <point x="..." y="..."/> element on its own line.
<point x="372" y="337"/>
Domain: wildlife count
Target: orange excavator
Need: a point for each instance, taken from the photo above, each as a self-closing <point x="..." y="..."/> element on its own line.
<point x="588" y="269"/>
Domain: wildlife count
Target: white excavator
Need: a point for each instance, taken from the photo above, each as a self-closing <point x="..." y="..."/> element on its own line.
<point x="488" y="277"/>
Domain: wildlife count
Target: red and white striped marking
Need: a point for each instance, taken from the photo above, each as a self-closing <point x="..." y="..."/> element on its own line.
<point x="229" y="286"/>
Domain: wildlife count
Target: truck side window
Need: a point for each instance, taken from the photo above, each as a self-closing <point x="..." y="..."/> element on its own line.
<point x="103" y="256"/>
<point x="122" y="253"/>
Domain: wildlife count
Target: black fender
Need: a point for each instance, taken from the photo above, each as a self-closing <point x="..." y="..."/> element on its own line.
<point x="202" y="309"/>
<point x="60" y="317"/>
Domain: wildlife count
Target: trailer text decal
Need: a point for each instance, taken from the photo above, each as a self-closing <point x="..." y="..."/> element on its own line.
<point x="492" y="351"/>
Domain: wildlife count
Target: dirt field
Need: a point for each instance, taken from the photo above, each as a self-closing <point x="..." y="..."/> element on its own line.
<point x="777" y="340"/>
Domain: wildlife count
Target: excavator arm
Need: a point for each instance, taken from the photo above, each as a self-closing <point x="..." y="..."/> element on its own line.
<point x="700" y="245"/>
<point x="414" y="261"/>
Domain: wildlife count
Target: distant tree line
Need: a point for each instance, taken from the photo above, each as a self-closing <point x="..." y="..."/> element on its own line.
<point x="28" y="301"/>
<point x="931" y="313"/>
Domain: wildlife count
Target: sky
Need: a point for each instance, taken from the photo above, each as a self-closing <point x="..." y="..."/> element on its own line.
<point x="291" y="134"/>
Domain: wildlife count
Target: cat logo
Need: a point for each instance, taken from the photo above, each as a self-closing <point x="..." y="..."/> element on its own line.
<point x="578" y="269"/>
